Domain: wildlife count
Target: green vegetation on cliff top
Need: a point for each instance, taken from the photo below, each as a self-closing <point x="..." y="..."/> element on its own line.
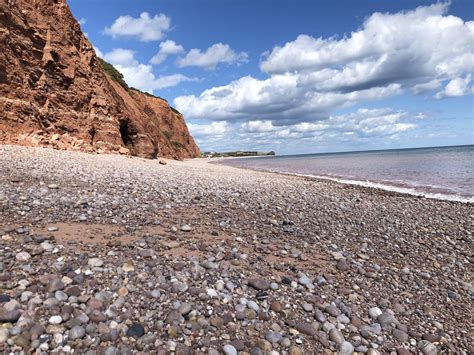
<point x="114" y="74"/>
<point x="117" y="76"/>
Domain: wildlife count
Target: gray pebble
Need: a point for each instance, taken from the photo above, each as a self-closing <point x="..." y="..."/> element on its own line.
<point x="229" y="350"/>
<point x="346" y="348"/>
<point x="77" y="332"/>
<point x="273" y="337"/>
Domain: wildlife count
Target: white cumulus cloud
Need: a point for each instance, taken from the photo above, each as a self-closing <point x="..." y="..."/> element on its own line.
<point x="362" y="125"/>
<point x="206" y="130"/>
<point x="282" y="97"/>
<point x="139" y="75"/>
<point x="258" y="126"/>
<point x="144" y="28"/>
<point x="122" y="57"/>
<point x="167" y="48"/>
<point x="457" y="87"/>
<point x="416" y="51"/>
<point x="210" y="58"/>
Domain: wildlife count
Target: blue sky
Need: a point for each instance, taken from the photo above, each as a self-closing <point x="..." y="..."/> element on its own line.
<point x="298" y="76"/>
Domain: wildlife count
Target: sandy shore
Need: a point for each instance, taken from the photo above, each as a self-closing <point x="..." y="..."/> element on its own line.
<point x="112" y="254"/>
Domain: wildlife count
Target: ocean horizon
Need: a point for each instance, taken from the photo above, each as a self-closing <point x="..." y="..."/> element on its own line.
<point x="444" y="172"/>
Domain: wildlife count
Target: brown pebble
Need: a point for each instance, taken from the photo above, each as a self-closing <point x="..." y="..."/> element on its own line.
<point x="276" y="306"/>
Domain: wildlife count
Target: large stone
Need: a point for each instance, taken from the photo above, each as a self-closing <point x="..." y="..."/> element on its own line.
<point x="374" y="312"/>
<point x="259" y="284"/>
<point x="9" y="316"/>
<point x="346" y="348"/>
<point x="136" y="330"/>
<point x="4" y="335"/>
<point x="229" y="350"/>
<point x="77" y="332"/>
<point x="332" y="310"/>
<point x="273" y="337"/>
<point x="95" y="262"/>
<point x="186" y="228"/>
<point x="400" y="335"/>
<point x="336" y="336"/>
<point x="427" y="348"/>
<point x="385" y="319"/>
<point x="22" y="256"/>
<point x="306" y="328"/>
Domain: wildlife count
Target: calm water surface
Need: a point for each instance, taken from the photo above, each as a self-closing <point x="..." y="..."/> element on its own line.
<point x="441" y="172"/>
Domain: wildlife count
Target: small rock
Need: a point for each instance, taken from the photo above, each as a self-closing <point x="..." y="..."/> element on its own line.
<point x="306" y="328"/>
<point x="229" y="350"/>
<point x="253" y="305"/>
<point x="77" y="332"/>
<point x="186" y="228"/>
<point x="427" y="348"/>
<point x="262" y="295"/>
<point x="342" y="265"/>
<point x="276" y="306"/>
<point x="185" y="308"/>
<point x="11" y="305"/>
<point x="400" y="335"/>
<point x="55" y="320"/>
<point x="295" y="351"/>
<point x="155" y="294"/>
<point x="273" y="337"/>
<point x="136" y="331"/>
<point x="332" y="310"/>
<point x="304" y="280"/>
<point x="95" y="262"/>
<point x="23" y="256"/>
<point x="264" y="345"/>
<point x="128" y="267"/>
<point x="336" y="336"/>
<point x="319" y="316"/>
<point x="61" y="296"/>
<point x="9" y="316"/>
<point x="55" y="285"/>
<point x="4" y="298"/>
<point x="374" y="312"/>
<point x="4" y="334"/>
<point x="386" y="319"/>
<point x="146" y="253"/>
<point x="346" y="348"/>
<point x="259" y="284"/>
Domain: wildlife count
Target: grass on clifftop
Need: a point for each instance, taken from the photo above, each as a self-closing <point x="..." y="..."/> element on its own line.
<point x="113" y="73"/>
<point x="118" y="77"/>
<point x="176" y="111"/>
<point x="148" y="94"/>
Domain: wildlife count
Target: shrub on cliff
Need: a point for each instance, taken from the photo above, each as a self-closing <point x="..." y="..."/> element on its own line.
<point x="113" y="73"/>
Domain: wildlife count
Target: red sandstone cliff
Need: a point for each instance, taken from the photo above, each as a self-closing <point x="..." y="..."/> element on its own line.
<point x="54" y="91"/>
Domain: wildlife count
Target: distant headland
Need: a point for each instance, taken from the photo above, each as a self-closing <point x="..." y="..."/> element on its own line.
<point x="238" y="153"/>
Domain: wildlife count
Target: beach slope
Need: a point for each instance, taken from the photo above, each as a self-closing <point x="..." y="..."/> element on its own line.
<point x="120" y="254"/>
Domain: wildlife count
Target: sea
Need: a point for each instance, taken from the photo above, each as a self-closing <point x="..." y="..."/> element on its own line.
<point x="445" y="173"/>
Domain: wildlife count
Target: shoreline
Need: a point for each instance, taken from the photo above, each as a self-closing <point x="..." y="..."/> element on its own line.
<point x="385" y="186"/>
<point x="195" y="257"/>
<point x="407" y="191"/>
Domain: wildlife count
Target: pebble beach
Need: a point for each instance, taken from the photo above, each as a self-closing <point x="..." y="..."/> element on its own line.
<point x="109" y="254"/>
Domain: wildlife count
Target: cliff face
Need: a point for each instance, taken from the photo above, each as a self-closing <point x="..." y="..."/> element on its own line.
<point x="54" y="91"/>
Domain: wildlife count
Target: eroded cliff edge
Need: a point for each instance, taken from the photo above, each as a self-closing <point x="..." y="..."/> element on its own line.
<point x="54" y="91"/>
